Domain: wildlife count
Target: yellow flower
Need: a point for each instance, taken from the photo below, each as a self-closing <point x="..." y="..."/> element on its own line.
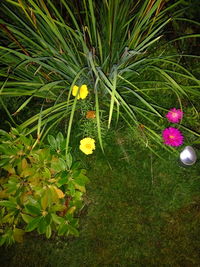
<point x="75" y="91"/>
<point x="83" y="91"/>
<point x="87" y="145"/>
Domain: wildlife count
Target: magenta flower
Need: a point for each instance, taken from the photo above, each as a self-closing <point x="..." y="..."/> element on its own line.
<point x="174" y="115"/>
<point x="172" y="137"/>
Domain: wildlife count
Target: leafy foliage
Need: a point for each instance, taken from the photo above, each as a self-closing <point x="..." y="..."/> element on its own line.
<point x="41" y="187"/>
<point x="111" y="46"/>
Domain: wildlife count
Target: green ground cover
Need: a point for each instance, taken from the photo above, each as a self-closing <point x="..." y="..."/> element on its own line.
<point x="142" y="212"/>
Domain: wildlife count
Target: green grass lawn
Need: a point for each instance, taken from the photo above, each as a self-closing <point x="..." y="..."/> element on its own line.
<point x="140" y="211"/>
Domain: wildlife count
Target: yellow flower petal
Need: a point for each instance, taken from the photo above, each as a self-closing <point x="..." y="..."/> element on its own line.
<point x="59" y="192"/>
<point x="87" y="145"/>
<point x="75" y="91"/>
<point x="83" y="91"/>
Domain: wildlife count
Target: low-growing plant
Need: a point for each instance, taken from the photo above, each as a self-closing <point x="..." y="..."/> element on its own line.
<point x="41" y="188"/>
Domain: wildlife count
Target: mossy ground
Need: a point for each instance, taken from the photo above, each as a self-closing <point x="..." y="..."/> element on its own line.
<point x="140" y="211"/>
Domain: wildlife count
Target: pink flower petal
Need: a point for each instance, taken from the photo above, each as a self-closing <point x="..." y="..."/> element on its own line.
<point x="174" y="115"/>
<point x="172" y="137"/>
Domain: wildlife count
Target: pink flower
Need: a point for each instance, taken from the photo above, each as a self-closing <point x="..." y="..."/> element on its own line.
<point x="174" y="115"/>
<point x="172" y="137"/>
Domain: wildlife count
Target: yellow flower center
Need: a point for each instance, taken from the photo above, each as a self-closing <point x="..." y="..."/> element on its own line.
<point x="88" y="146"/>
<point x="171" y="136"/>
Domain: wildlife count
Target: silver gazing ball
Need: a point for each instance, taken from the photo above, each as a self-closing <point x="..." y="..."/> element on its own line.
<point x="188" y="156"/>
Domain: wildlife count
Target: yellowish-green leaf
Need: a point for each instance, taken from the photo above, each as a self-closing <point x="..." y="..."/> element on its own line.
<point x="59" y="192"/>
<point x="26" y="218"/>
<point x="44" y="202"/>
<point x="80" y="188"/>
<point x="18" y="235"/>
<point x="47" y="173"/>
<point x="46" y="199"/>
<point x="57" y="219"/>
<point x="53" y="180"/>
<point x="9" y="169"/>
<point x="3" y="194"/>
<point x="27" y="172"/>
<point x="54" y="194"/>
<point x="24" y="164"/>
<point x="71" y="210"/>
<point x="48" y="231"/>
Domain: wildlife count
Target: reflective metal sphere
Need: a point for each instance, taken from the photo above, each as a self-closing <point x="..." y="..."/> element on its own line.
<point x="188" y="156"/>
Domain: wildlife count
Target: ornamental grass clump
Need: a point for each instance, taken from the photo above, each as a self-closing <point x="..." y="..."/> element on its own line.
<point x="116" y="48"/>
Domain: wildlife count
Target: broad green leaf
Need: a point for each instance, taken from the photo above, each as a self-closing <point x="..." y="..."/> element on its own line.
<point x="76" y="173"/>
<point x="33" y="224"/>
<point x="57" y="219"/>
<point x="62" y="164"/>
<point x="43" y="154"/>
<point x="69" y="160"/>
<point x="62" y="181"/>
<point x="4" y="161"/>
<point x="58" y="164"/>
<point x="48" y="231"/>
<point x="32" y="210"/>
<point x="71" y="188"/>
<point x="81" y="179"/>
<point x="52" y="142"/>
<point x="73" y="230"/>
<point x="63" y="228"/>
<point x="8" y="204"/>
<point x="56" y="208"/>
<point x="42" y="226"/>
<point x="12" y="187"/>
<point x="2" y="239"/>
<point x="26" y="218"/>
<point x="60" y="141"/>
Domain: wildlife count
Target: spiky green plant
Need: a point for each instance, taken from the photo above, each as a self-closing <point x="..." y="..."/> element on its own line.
<point x="109" y="45"/>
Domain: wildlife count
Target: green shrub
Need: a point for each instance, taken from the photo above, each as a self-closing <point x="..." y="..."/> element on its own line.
<point x="41" y="188"/>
